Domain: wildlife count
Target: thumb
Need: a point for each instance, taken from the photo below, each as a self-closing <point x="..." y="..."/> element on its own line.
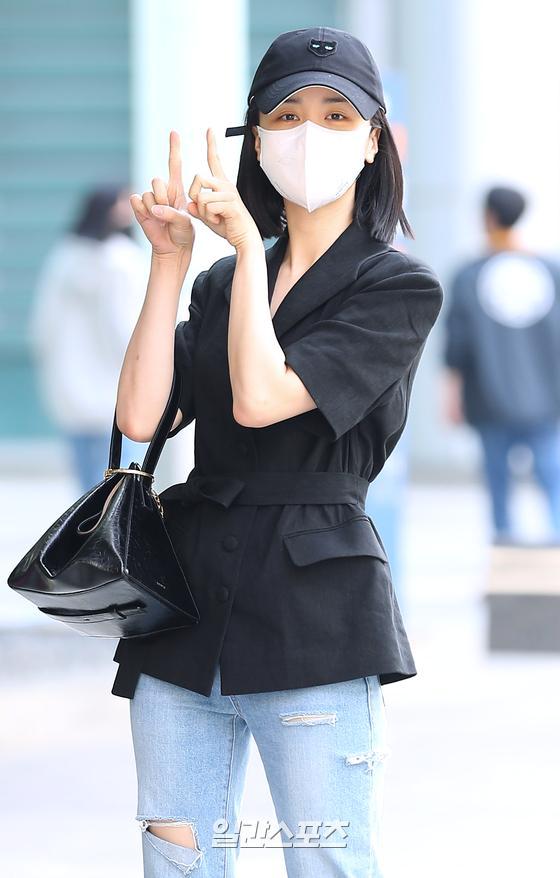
<point x="169" y="214"/>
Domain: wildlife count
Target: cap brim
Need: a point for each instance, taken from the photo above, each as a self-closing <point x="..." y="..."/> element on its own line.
<point x="270" y="97"/>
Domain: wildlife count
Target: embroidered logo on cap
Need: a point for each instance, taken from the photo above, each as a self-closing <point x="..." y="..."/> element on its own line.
<point x="322" y="47"/>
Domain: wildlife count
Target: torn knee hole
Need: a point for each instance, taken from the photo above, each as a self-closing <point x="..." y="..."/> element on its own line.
<point x="175" y="839"/>
<point x="372" y="758"/>
<point x="307" y="719"/>
<point x="180" y="832"/>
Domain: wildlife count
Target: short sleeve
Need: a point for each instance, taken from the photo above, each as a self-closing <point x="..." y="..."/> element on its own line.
<point x="186" y="336"/>
<point x="349" y="361"/>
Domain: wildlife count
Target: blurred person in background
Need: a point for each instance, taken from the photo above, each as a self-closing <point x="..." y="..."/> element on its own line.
<point x="88" y="297"/>
<point x="502" y="353"/>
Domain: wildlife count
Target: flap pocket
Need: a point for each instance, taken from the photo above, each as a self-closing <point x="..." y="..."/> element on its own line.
<point x="356" y="536"/>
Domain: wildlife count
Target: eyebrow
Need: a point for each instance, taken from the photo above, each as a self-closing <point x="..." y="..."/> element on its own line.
<point x="326" y="100"/>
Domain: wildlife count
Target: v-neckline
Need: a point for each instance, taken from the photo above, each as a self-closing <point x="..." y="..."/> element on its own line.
<point x="277" y="253"/>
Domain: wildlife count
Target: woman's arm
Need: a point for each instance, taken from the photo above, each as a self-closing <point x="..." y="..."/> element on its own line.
<point x="147" y="370"/>
<point x="264" y="389"/>
<point x="347" y="363"/>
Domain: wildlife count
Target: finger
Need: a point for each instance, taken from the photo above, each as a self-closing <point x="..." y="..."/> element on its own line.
<point x="200" y="182"/>
<point x="175" y="160"/>
<point x="160" y="191"/>
<point x="194" y="193"/>
<point x="148" y="201"/>
<point x="138" y="207"/>
<point x="193" y="210"/>
<point x="214" y="162"/>
<point x="169" y="214"/>
<point x="195" y="187"/>
<point x="207" y="197"/>
<point x="201" y="208"/>
<point x="215" y="210"/>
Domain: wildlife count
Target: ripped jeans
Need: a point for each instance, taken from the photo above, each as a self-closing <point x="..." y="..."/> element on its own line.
<point x="324" y="752"/>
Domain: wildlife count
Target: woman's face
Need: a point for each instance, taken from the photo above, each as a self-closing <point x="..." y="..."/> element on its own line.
<point x="320" y="104"/>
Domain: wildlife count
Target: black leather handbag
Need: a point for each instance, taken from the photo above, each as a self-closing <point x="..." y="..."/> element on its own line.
<point x="107" y="566"/>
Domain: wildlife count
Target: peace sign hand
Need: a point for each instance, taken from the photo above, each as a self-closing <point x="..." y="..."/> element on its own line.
<point x="216" y="201"/>
<point x="162" y="212"/>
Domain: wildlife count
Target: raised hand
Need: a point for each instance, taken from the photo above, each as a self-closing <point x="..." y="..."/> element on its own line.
<point x="162" y="212"/>
<point x="216" y="201"/>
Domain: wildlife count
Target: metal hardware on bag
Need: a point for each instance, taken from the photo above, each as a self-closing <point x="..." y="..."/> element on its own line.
<point x="137" y="472"/>
<point x="123" y="469"/>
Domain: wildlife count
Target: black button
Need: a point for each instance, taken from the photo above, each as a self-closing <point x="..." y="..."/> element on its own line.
<point x="222" y="593"/>
<point x="230" y="543"/>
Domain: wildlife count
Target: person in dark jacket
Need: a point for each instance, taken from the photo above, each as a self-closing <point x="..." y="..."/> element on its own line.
<point x="503" y="355"/>
<point x="297" y="364"/>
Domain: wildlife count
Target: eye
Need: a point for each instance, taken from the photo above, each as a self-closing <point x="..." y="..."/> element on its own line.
<point x="287" y="114"/>
<point x="335" y="113"/>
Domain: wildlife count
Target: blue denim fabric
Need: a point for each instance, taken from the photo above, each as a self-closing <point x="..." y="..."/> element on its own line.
<point x="324" y="750"/>
<point x="543" y="439"/>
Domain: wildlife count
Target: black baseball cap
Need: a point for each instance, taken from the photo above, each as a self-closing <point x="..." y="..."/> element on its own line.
<point x="316" y="56"/>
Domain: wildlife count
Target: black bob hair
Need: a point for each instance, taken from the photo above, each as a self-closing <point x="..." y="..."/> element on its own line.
<point x="94" y="213"/>
<point x="378" y="204"/>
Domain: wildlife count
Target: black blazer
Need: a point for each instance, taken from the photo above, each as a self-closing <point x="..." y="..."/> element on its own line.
<point x="289" y="573"/>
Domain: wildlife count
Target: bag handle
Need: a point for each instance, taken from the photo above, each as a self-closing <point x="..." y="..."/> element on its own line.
<point x="159" y="438"/>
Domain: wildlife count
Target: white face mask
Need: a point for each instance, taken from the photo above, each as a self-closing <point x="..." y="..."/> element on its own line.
<point x="310" y="164"/>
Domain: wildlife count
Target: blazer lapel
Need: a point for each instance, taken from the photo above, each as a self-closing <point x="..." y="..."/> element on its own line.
<point x="335" y="269"/>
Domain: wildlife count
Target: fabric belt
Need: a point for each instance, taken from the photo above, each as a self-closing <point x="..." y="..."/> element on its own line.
<point x="270" y="488"/>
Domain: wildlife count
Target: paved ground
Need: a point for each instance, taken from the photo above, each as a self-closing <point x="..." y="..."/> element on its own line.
<point x="472" y="784"/>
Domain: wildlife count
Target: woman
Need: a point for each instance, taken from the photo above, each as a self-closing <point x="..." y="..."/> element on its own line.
<point x="95" y="278"/>
<point x="297" y="363"/>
